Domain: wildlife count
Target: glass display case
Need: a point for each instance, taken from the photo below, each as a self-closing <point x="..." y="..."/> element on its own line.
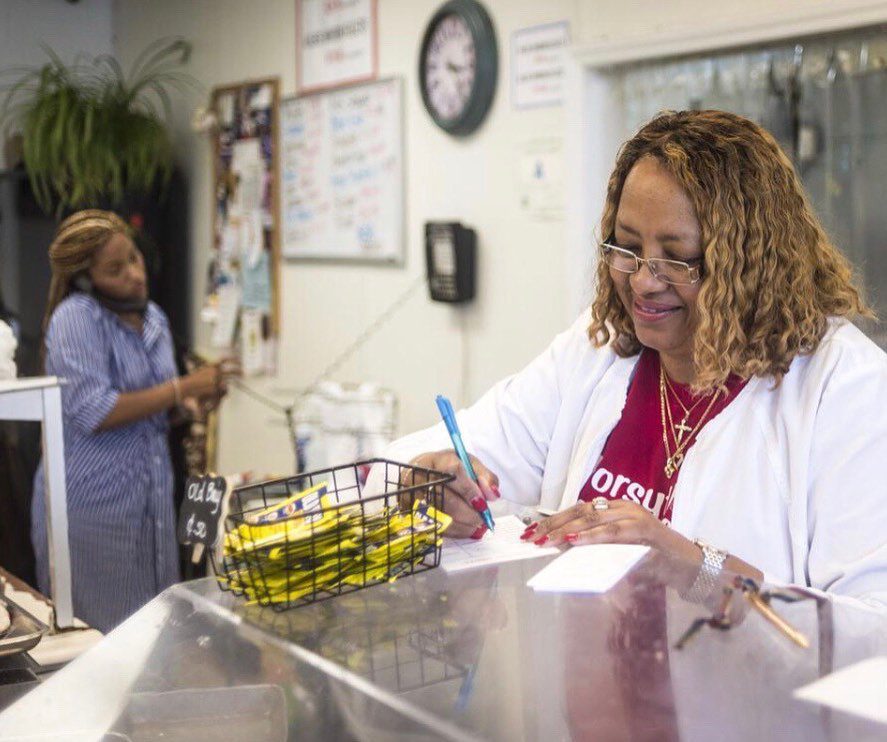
<point x="469" y="655"/>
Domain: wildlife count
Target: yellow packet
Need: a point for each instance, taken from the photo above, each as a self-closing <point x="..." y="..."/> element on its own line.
<point x="337" y="546"/>
<point x="292" y="531"/>
<point x="320" y="549"/>
<point x="304" y="501"/>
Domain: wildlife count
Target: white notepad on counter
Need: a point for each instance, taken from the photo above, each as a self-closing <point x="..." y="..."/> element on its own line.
<point x="858" y="689"/>
<point x="588" y="569"/>
<point x="501" y="545"/>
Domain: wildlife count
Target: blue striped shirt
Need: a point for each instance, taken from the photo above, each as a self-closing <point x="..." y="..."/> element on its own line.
<point x="121" y="518"/>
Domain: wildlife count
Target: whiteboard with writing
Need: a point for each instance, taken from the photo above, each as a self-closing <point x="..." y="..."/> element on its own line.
<point x="342" y="190"/>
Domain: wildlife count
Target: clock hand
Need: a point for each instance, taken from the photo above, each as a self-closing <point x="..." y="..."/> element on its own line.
<point x="455" y="68"/>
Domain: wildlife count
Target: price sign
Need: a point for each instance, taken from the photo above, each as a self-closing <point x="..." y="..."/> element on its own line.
<point x="201" y="510"/>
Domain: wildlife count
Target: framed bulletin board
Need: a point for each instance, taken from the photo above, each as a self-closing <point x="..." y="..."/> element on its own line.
<point x="342" y="189"/>
<point x="244" y="274"/>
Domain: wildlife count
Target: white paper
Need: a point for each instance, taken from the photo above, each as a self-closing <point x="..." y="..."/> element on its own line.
<point x="336" y="43"/>
<point x="227" y="309"/>
<point x="588" y="569"/>
<point x="262" y="98"/>
<point x="252" y="357"/>
<point x="225" y="104"/>
<point x="229" y="245"/>
<point x="251" y="237"/>
<point x="247" y="165"/>
<point x="538" y="63"/>
<point x="501" y="545"/>
<point x="541" y="178"/>
<point x="858" y="689"/>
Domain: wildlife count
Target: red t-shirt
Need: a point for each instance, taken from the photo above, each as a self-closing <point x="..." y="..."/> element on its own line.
<point x="632" y="466"/>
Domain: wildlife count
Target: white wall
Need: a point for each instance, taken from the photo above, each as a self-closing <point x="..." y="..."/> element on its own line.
<point x="68" y="29"/>
<point x="530" y="277"/>
<point x="427" y="348"/>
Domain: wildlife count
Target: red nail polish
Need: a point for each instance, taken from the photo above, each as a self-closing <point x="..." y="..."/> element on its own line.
<point x="540" y="541"/>
<point x="571" y="538"/>
<point x="496" y="492"/>
<point x="529" y="532"/>
<point x="479" y="533"/>
<point x="478" y="503"/>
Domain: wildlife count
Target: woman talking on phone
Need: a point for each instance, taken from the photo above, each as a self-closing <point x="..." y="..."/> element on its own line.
<point x="112" y="347"/>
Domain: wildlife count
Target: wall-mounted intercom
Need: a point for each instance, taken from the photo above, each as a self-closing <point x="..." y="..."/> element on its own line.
<point x="450" y="255"/>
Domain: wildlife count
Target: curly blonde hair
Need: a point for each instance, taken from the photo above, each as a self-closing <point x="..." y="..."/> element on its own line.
<point x="771" y="276"/>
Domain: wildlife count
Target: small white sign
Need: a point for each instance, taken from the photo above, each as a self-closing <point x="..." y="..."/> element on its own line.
<point x="541" y="178"/>
<point x="336" y="43"/>
<point x="538" y="57"/>
<point x="858" y="689"/>
<point x="252" y="355"/>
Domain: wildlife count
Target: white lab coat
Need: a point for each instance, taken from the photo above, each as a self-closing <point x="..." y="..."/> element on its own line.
<point x="791" y="479"/>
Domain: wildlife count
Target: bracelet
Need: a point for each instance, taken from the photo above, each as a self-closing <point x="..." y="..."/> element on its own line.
<point x="709" y="571"/>
<point x="176" y="390"/>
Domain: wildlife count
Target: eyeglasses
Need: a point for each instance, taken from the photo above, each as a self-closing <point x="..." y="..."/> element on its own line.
<point x="722" y="618"/>
<point x="675" y="272"/>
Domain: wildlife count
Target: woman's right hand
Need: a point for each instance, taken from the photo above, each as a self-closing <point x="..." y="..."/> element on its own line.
<point x="463" y="500"/>
<point x="202" y="383"/>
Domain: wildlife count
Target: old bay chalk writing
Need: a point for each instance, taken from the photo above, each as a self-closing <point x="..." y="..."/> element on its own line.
<point x="206" y="491"/>
<point x="201" y="510"/>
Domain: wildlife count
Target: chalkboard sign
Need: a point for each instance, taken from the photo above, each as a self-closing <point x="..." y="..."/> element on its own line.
<point x="201" y="510"/>
<point x="342" y="190"/>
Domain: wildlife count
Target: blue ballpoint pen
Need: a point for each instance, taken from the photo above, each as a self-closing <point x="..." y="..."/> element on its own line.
<point x="449" y="418"/>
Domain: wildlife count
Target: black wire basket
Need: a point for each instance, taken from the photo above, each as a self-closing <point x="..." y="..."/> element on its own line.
<point x="338" y="541"/>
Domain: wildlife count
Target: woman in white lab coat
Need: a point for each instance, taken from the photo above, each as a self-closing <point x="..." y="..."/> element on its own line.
<point x="714" y="402"/>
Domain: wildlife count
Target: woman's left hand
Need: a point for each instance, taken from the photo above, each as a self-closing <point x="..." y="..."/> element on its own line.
<point x="622" y="522"/>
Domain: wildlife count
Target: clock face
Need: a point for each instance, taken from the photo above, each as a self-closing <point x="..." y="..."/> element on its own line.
<point x="458" y="61"/>
<point x="450" y="67"/>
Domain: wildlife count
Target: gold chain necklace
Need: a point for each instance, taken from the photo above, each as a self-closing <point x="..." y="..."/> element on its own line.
<point x="674" y="459"/>
<point x="681" y="428"/>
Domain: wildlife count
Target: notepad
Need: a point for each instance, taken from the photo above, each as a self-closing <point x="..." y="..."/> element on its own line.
<point x="501" y="545"/>
<point x="858" y="689"/>
<point x="588" y="569"/>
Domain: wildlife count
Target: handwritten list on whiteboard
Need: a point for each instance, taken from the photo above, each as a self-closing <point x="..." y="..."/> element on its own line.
<point x="342" y="189"/>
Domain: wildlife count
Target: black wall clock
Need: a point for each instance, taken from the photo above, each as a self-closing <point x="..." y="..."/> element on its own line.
<point x="458" y="64"/>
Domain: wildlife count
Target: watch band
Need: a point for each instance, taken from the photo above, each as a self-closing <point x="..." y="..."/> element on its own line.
<point x="709" y="571"/>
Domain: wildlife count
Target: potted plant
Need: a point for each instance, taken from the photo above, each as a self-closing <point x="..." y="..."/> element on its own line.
<point x="91" y="133"/>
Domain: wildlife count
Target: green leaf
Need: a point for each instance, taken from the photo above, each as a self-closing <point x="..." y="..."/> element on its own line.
<point x="89" y="132"/>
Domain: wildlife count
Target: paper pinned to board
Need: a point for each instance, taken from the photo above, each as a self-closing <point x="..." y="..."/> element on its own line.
<point x="248" y="167"/>
<point x="227" y="311"/>
<point x="252" y="357"/>
<point x="252" y="237"/>
<point x="256" y="281"/>
<point x="588" y="569"/>
<point x="501" y="545"/>
<point x="858" y="689"/>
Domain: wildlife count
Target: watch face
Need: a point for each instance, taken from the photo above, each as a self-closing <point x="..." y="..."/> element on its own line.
<point x="450" y="67"/>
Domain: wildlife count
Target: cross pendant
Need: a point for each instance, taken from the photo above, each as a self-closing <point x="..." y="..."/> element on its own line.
<point x="682" y="428"/>
<point x="672" y="464"/>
